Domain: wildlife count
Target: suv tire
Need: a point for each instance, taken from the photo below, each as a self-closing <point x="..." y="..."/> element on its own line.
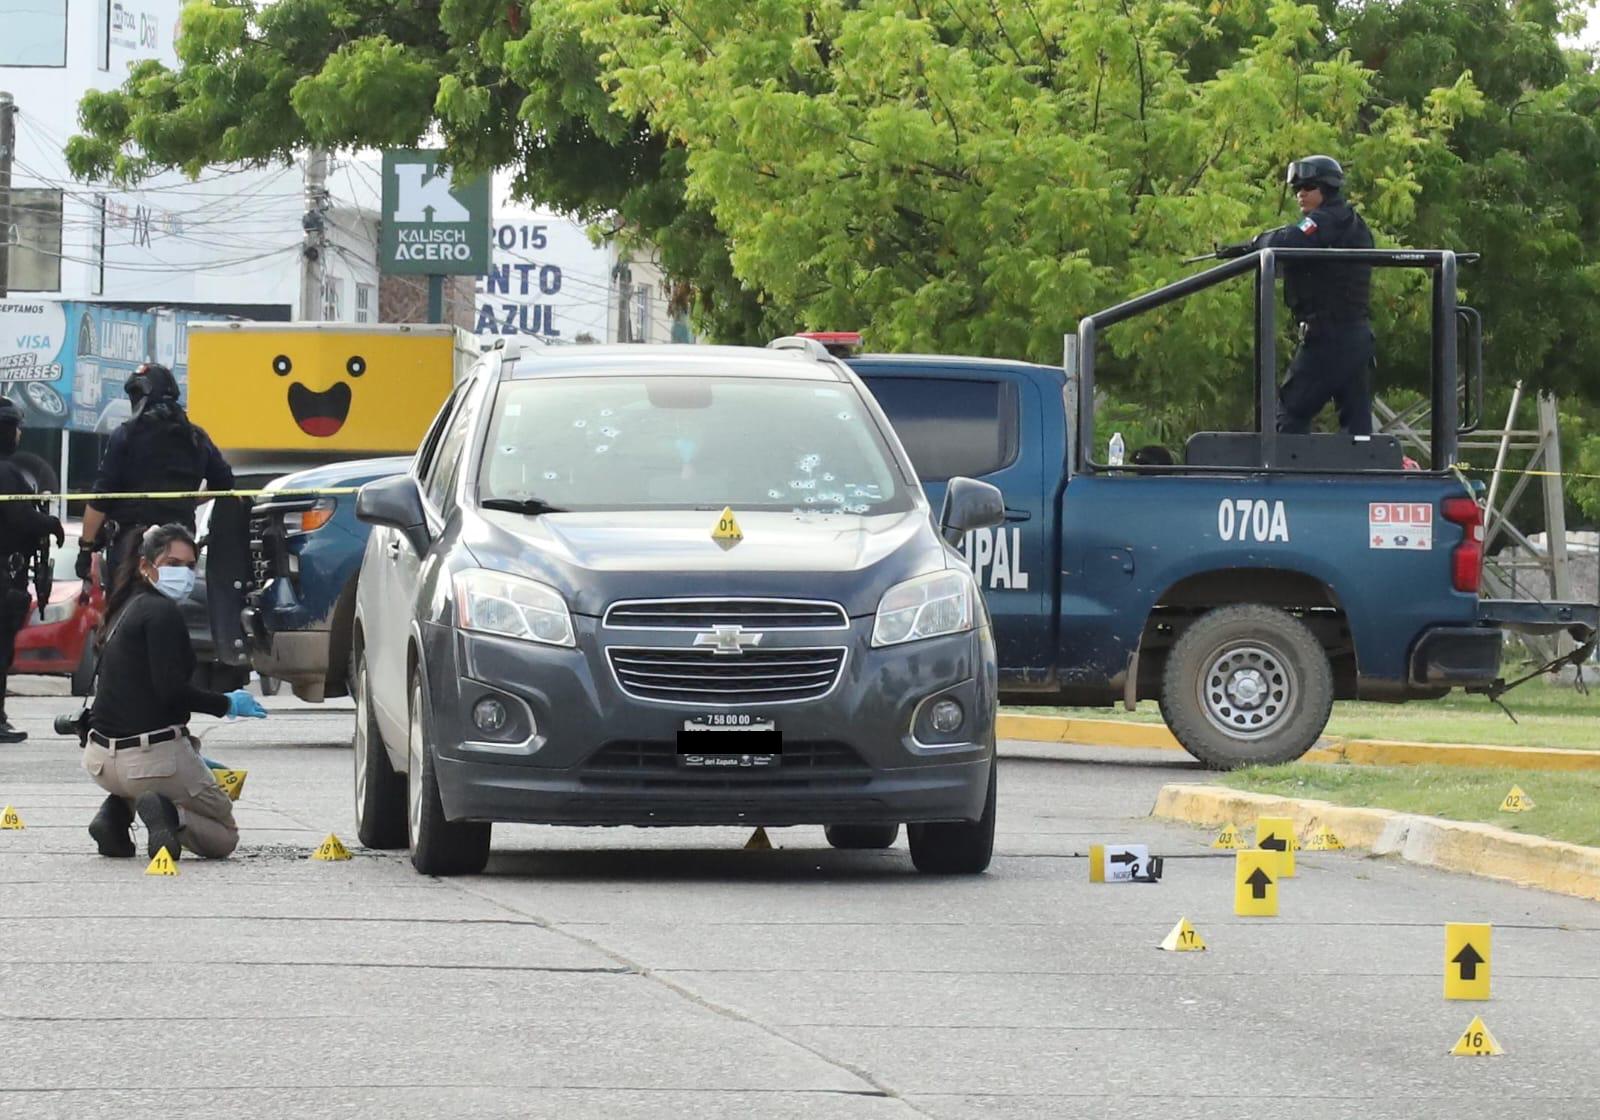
<point x="862" y="836"/>
<point x="438" y="846"/>
<point x="380" y="792"/>
<point x="956" y="847"/>
<point x="1247" y="685"/>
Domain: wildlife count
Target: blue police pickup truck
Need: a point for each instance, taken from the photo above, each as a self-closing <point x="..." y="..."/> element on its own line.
<point x="1246" y="584"/>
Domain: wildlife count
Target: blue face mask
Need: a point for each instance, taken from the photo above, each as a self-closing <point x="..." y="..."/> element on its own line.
<point x="175" y="583"/>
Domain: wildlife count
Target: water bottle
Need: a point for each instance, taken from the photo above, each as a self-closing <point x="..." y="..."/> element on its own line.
<point x="1115" y="451"/>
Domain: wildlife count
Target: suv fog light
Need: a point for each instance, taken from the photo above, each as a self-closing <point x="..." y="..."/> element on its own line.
<point x="946" y="716"/>
<point x="490" y="715"/>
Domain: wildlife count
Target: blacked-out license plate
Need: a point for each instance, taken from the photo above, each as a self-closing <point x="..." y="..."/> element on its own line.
<point x="729" y="741"/>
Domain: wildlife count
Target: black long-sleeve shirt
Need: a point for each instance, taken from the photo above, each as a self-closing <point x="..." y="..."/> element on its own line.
<point x="22" y="524"/>
<point x="145" y="670"/>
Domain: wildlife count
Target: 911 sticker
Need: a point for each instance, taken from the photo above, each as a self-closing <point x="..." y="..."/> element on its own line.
<point x="1403" y="525"/>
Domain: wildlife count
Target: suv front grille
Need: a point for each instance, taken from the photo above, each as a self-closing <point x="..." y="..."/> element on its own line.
<point x="702" y="614"/>
<point x="704" y="677"/>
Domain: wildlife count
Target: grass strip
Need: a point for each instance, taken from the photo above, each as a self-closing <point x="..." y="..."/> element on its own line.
<point x="1566" y="805"/>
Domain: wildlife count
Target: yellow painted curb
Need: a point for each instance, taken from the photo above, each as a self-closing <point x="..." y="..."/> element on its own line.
<point x="1360" y="752"/>
<point x="1471" y="849"/>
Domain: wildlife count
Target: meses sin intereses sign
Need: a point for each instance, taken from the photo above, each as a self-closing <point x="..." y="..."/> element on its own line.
<point x="431" y="224"/>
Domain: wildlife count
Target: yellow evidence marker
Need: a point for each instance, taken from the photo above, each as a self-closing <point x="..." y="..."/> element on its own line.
<point x="163" y="864"/>
<point x="1324" y="840"/>
<point x="231" y="781"/>
<point x="758" y="841"/>
<point x="1476" y="1042"/>
<point x="727" y="528"/>
<point x="1229" y="838"/>
<point x="10" y="820"/>
<point x="1276" y="834"/>
<point x="1118" y="863"/>
<point x="1516" y="801"/>
<point x="1466" y="960"/>
<point x="1255" y="883"/>
<point x="331" y="849"/>
<point x="1183" y="939"/>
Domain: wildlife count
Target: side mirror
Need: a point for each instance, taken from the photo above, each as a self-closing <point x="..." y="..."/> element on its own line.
<point x="397" y="503"/>
<point x="968" y="505"/>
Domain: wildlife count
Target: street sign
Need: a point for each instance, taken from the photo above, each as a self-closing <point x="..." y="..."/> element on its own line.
<point x="432" y="225"/>
<point x="1255" y="883"/>
<point x="1466" y="960"/>
<point x="1276" y="834"/>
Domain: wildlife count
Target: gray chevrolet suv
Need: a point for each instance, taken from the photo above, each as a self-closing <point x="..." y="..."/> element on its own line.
<point x="678" y="585"/>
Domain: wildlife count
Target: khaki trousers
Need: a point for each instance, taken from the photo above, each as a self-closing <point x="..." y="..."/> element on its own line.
<point x="172" y="768"/>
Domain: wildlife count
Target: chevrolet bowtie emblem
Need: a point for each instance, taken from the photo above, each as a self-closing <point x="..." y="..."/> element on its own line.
<point x="728" y="639"/>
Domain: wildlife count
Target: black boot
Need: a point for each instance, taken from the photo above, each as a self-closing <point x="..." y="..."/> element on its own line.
<point x="9" y="734"/>
<point x="110" y="829"/>
<point x="161" y="824"/>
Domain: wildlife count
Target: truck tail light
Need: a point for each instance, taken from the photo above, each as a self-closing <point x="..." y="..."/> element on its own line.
<point x="1466" y="562"/>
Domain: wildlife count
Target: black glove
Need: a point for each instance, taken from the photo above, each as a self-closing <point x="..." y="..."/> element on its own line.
<point x="84" y="564"/>
<point x="57" y="531"/>
<point x="1228" y="252"/>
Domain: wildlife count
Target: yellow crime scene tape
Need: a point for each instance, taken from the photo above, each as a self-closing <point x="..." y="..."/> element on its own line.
<point x="163" y="494"/>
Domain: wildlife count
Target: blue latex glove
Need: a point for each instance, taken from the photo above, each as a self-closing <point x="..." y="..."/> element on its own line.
<point x="241" y="703"/>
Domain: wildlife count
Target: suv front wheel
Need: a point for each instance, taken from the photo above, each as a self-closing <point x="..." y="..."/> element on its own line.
<point x="380" y="792"/>
<point x="438" y="846"/>
<point x="956" y="847"/>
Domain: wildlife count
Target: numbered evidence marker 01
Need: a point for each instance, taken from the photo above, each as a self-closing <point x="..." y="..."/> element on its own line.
<point x="1122" y="863"/>
<point x="1276" y="834"/>
<point x="1476" y="1042"/>
<point x="1255" y="883"/>
<point x="1466" y="960"/>
<point x="1183" y="939"/>
<point x="726" y="530"/>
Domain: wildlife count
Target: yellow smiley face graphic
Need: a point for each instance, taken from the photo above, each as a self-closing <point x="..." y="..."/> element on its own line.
<point x="327" y="387"/>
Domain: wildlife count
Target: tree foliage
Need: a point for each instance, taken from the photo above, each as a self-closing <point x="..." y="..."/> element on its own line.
<point x="953" y="175"/>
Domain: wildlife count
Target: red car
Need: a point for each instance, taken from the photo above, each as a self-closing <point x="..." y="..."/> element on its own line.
<point x="62" y="642"/>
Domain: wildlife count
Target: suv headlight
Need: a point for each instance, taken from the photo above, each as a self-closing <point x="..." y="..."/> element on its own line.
<point x="310" y="519"/>
<point x="925" y="607"/>
<point x="512" y="607"/>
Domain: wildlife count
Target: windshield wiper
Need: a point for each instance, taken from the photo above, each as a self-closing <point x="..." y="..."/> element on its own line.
<point x="533" y="507"/>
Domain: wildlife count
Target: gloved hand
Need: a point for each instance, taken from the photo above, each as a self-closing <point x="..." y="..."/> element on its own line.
<point x="241" y="703"/>
<point x="58" y="532"/>
<point x="85" y="560"/>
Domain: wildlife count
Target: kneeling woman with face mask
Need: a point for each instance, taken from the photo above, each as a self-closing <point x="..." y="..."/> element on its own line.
<point x="139" y="750"/>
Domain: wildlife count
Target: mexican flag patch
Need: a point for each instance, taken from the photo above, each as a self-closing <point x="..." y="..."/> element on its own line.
<point x="1307" y="225"/>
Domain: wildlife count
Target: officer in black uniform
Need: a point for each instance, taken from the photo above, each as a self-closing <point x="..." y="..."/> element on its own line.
<point x="23" y="525"/>
<point x="157" y="451"/>
<point x="1331" y="302"/>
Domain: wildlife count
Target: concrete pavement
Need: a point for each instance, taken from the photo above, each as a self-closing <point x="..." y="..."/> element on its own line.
<point x="641" y="973"/>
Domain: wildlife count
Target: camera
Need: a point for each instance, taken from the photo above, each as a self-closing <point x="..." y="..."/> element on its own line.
<point x="75" y="725"/>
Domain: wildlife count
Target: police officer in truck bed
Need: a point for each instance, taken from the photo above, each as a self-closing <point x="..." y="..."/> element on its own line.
<point x="1331" y="301"/>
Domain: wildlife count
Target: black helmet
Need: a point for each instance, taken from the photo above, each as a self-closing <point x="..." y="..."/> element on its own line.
<point x="151" y="383"/>
<point x="10" y="413"/>
<point x="1316" y="171"/>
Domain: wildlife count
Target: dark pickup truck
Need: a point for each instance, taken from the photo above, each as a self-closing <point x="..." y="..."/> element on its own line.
<point x="1246" y="586"/>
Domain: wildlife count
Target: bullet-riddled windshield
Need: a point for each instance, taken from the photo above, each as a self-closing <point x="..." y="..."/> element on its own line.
<point x="613" y="443"/>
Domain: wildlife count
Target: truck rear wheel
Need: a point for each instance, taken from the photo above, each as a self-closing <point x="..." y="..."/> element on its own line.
<point x="1247" y="685"/>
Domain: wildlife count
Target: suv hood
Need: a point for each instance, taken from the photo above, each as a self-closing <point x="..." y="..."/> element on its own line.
<point x="595" y="559"/>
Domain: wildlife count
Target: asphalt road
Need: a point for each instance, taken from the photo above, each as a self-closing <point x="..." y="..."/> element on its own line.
<point x="629" y="973"/>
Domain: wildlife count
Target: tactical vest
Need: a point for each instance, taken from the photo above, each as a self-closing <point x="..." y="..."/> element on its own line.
<point x="1332" y="293"/>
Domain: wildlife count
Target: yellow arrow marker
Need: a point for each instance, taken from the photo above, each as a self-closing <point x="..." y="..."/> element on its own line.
<point x="1516" y="801"/>
<point x="1476" y="1042"/>
<point x="758" y="842"/>
<point x="163" y="864"/>
<point x="331" y="849"/>
<point x="1466" y="960"/>
<point x="1276" y="834"/>
<point x="1255" y="883"/>
<point x="231" y="781"/>
<point x="10" y="820"/>
<point x="1183" y="939"/>
<point x="1229" y="838"/>
<point x="1324" y="840"/>
<point x="727" y="528"/>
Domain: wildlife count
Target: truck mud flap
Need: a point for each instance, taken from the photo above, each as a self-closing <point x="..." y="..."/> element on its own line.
<point x="227" y="574"/>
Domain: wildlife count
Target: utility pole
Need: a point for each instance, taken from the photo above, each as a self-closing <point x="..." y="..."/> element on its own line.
<point x="314" y="253"/>
<point x="8" y="142"/>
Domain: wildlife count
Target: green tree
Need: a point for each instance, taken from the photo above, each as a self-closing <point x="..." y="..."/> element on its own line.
<point x="957" y="175"/>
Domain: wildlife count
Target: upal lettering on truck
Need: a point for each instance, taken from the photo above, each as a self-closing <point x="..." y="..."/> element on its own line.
<point x="1000" y="552"/>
